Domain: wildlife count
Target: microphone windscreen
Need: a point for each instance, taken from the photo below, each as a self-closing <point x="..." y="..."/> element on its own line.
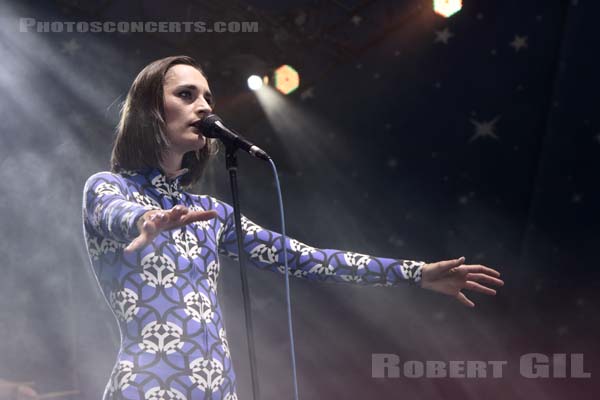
<point x="208" y="125"/>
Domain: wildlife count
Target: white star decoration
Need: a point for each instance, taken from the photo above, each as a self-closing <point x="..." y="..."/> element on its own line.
<point x="356" y="20"/>
<point x="308" y="93"/>
<point x="70" y="47"/>
<point x="562" y="330"/>
<point x="443" y="36"/>
<point x="396" y="241"/>
<point x="300" y="18"/>
<point x="518" y="43"/>
<point x="484" y="128"/>
<point x="465" y="198"/>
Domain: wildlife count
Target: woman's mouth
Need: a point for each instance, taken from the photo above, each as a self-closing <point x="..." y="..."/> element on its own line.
<point x="195" y="128"/>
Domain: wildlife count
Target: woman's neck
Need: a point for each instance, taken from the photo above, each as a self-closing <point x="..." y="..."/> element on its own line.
<point x="171" y="164"/>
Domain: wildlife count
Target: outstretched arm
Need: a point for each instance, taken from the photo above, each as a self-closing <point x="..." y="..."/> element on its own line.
<point x="264" y="249"/>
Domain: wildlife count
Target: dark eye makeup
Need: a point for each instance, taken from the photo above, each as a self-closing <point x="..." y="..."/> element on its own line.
<point x="185" y="94"/>
<point x="190" y="90"/>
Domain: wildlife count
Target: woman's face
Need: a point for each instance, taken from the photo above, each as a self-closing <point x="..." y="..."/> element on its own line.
<point x="187" y="98"/>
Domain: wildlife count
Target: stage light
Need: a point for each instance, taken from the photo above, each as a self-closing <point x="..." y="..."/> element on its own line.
<point x="447" y="8"/>
<point x="255" y="82"/>
<point x="286" y="79"/>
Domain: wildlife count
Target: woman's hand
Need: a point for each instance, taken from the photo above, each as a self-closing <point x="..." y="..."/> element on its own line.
<point x="155" y="221"/>
<point x="451" y="276"/>
<point x="17" y="390"/>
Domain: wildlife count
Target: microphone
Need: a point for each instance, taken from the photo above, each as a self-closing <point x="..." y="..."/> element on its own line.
<point x="213" y="127"/>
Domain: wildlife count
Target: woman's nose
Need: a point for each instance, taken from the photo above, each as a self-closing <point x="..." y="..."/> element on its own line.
<point x="203" y="108"/>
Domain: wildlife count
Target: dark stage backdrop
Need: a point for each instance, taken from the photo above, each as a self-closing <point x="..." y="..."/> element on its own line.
<point x="411" y="136"/>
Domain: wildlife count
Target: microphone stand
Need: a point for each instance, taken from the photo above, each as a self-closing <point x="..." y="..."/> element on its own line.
<point x="231" y="165"/>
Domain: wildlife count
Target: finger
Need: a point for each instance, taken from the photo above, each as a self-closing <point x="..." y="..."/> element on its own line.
<point x="483" y="278"/>
<point x="449" y="264"/>
<point x="195" y="216"/>
<point x="482" y="269"/>
<point x="136" y="244"/>
<point x="177" y="212"/>
<point x="151" y="227"/>
<point x="156" y="217"/>
<point x="149" y="232"/>
<point x="476" y="287"/>
<point x="463" y="299"/>
<point x="160" y="221"/>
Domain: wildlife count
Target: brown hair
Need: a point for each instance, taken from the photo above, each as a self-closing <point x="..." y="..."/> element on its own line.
<point x="141" y="137"/>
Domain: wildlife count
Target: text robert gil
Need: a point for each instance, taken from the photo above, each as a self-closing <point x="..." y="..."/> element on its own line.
<point x="531" y="365"/>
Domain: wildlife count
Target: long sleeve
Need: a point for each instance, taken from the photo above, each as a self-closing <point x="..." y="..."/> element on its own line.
<point x="164" y="295"/>
<point x="106" y="209"/>
<point x="264" y="249"/>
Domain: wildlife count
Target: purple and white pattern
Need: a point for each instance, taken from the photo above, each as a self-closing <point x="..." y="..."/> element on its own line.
<point x="164" y="295"/>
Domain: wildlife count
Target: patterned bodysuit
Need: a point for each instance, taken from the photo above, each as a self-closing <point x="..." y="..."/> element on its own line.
<point x="164" y="296"/>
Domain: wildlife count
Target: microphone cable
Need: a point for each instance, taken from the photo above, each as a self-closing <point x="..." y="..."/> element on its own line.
<point x="287" y="279"/>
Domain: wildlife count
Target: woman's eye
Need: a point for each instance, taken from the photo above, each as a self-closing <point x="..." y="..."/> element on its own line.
<point x="186" y="94"/>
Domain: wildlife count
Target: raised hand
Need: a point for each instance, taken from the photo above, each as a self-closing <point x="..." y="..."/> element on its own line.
<point x="451" y="276"/>
<point x="155" y="221"/>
